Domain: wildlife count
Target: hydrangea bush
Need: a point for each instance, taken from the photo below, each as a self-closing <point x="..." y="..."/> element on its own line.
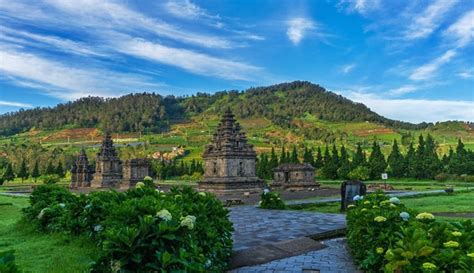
<point x="142" y="229"/>
<point x="271" y="200"/>
<point x="386" y="236"/>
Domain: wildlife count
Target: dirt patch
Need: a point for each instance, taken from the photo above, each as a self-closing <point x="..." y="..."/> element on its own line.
<point x="74" y="134"/>
<point x="373" y="132"/>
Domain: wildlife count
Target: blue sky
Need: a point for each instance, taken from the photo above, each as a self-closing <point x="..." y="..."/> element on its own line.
<point x="407" y="60"/>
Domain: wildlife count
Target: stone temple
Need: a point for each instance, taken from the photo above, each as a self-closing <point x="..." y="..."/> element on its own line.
<point x="230" y="161"/>
<point x="81" y="173"/>
<point x="293" y="176"/>
<point x="109" y="170"/>
<point x="108" y="166"/>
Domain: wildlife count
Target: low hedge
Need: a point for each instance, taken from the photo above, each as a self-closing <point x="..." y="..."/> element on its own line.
<point x="386" y="236"/>
<point x="142" y="229"/>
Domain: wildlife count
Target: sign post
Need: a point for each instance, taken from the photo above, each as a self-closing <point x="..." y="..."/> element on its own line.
<point x="384" y="178"/>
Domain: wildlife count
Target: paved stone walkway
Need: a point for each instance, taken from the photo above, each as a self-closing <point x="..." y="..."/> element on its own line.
<point x="254" y="226"/>
<point x="333" y="259"/>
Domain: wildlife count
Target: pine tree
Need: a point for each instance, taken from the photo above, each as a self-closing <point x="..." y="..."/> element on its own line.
<point x="308" y="156"/>
<point x="294" y="156"/>
<point x="9" y="175"/>
<point x="376" y="163"/>
<point x="396" y="162"/>
<point x="344" y="164"/>
<point x="410" y="160"/>
<point x="283" y="155"/>
<point x="35" y="173"/>
<point x="318" y="162"/>
<point x="50" y="168"/>
<point x="359" y="157"/>
<point x="60" y="170"/>
<point x="331" y="163"/>
<point x="273" y="163"/>
<point x="23" y="171"/>
<point x="431" y="162"/>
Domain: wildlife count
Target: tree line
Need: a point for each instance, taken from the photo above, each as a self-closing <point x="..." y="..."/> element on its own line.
<point x="421" y="161"/>
<point x="163" y="169"/>
<point x="152" y="112"/>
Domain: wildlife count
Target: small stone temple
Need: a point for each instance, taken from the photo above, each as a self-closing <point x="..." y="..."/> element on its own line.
<point x="229" y="161"/>
<point x="81" y="173"/>
<point x="109" y="170"/>
<point x="293" y="176"/>
<point x="134" y="170"/>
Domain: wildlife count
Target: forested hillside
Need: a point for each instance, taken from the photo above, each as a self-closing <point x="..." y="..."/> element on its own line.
<point x="153" y="113"/>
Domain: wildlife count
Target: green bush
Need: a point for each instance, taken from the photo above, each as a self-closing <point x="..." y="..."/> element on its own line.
<point x="442" y="177"/>
<point x="385" y="236"/>
<point x="359" y="173"/>
<point x="141" y="230"/>
<point x="271" y="200"/>
<point x="7" y="262"/>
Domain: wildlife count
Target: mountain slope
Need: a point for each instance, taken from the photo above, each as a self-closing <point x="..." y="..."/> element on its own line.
<point x="280" y="103"/>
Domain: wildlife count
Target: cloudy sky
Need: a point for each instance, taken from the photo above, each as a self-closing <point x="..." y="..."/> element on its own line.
<point x="407" y="60"/>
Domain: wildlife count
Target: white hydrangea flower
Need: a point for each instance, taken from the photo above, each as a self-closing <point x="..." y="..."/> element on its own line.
<point x="98" y="228"/>
<point x="357" y="198"/>
<point x="164" y="214"/>
<point x="394" y="200"/>
<point x="265" y="191"/>
<point x="62" y="205"/>
<point x="405" y="215"/>
<point x="188" y="221"/>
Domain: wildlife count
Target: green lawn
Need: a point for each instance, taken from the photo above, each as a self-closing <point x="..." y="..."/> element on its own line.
<point x="36" y="252"/>
<point x="458" y="202"/>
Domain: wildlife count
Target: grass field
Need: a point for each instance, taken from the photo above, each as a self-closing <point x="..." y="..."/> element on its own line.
<point x="458" y="202"/>
<point x="36" y="252"/>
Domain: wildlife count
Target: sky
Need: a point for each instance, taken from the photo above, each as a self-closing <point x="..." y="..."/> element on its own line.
<point x="406" y="60"/>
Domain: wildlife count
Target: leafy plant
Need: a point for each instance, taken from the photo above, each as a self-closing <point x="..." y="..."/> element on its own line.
<point x="7" y="262"/>
<point x="271" y="200"/>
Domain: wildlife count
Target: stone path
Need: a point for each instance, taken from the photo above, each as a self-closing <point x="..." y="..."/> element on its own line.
<point x="335" y="258"/>
<point x="254" y="226"/>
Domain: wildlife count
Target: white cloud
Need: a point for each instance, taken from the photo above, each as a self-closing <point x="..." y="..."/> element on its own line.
<point x="429" y="20"/>
<point x="347" y="68"/>
<point x="360" y="6"/>
<point x="428" y="70"/>
<point x="466" y="74"/>
<point x="189" y="60"/>
<point x="15" y="104"/>
<point x="298" y="28"/>
<point x="36" y="40"/>
<point x="113" y="15"/>
<point x="406" y="89"/>
<point x="416" y="110"/>
<point x="66" y="82"/>
<point x="187" y="10"/>
<point x="462" y="30"/>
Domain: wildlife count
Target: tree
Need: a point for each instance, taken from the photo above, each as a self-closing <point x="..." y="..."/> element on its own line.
<point x="329" y="170"/>
<point x="308" y="156"/>
<point x="9" y="175"/>
<point x="35" y="173"/>
<point x="359" y="158"/>
<point x="60" y="170"/>
<point x="50" y="169"/>
<point x="23" y="171"/>
<point x="294" y="156"/>
<point x="396" y="162"/>
<point x="273" y="163"/>
<point x="283" y="156"/>
<point x="344" y="164"/>
<point x="318" y="163"/>
<point x="376" y="163"/>
<point x="410" y="161"/>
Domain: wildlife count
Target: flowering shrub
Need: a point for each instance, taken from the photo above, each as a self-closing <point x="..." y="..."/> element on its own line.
<point x="385" y="236"/>
<point x="142" y="229"/>
<point x="271" y="200"/>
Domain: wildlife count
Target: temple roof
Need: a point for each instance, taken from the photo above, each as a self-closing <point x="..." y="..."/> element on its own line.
<point x="288" y="167"/>
<point x="229" y="139"/>
<point x="107" y="148"/>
